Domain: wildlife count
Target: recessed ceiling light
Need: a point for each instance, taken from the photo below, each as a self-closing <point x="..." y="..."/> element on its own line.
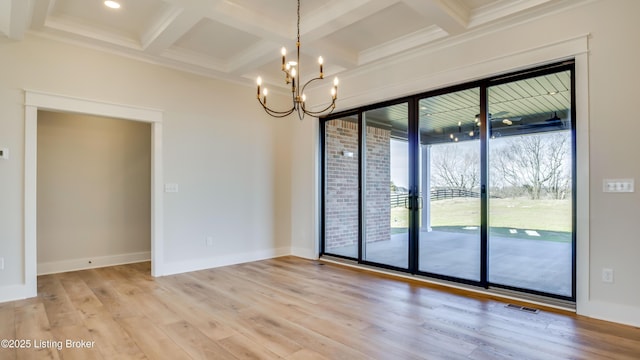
<point x="112" y="4"/>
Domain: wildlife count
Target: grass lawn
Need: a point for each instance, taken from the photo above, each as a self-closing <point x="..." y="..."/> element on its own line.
<point x="504" y="214"/>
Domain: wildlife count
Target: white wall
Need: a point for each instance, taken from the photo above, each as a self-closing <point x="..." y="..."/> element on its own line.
<point x="602" y="35"/>
<point x="93" y="191"/>
<point x="224" y="153"/>
<point x="304" y="189"/>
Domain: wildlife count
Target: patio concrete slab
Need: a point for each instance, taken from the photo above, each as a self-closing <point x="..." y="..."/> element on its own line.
<point x="525" y="262"/>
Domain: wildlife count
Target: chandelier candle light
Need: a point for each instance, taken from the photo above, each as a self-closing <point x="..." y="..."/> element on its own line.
<point x="291" y="70"/>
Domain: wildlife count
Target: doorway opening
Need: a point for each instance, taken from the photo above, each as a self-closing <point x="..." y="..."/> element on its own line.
<point x="94" y="204"/>
<point x="37" y="101"/>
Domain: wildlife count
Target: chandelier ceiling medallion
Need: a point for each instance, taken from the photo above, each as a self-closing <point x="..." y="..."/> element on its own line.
<point x="292" y="74"/>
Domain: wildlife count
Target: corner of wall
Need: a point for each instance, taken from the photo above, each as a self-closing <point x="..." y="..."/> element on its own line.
<point x="14" y="292"/>
<point x="304" y="253"/>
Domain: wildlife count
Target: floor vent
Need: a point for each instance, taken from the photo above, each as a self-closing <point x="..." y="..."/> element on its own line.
<point x="522" y="308"/>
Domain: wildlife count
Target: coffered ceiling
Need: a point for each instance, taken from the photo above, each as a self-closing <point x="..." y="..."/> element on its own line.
<point x="239" y="39"/>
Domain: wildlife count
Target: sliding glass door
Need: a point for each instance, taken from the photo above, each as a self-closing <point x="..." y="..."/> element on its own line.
<point x="531" y="184"/>
<point x="471" y="184"/>
<point x="341" y="187"/>
<point x="386" y="188"/>
<point x="449" y="184"/>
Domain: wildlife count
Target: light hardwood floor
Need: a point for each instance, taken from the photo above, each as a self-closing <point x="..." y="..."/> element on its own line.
<point x="290" y="308"/>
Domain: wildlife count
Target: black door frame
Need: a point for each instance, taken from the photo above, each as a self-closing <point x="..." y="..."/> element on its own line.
<point x="413" y="159"/>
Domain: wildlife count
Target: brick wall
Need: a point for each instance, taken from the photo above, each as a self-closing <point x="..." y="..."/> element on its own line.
<point x="341" y="192"/>
<point x="378" y="208"/>
<point x="341" y="184"/>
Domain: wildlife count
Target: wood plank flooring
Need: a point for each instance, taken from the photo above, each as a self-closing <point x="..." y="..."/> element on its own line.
<point x="289" y="308"/>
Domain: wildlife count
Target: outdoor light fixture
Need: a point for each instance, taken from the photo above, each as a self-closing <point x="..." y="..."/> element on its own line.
<point x="292" y="74"/>
<point x="554" y="117"/>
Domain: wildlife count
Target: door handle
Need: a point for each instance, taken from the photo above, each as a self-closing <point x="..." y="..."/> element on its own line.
<point x="410" y="200"/>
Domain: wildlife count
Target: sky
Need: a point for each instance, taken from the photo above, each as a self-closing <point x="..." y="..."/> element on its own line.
<point x="400" y="163"/>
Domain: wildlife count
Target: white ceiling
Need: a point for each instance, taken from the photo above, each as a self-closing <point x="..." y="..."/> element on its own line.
<point x="239" y="39"/>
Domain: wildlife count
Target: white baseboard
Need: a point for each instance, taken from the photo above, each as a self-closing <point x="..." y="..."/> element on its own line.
<point x="623" y="314"/>
<point x="171" y="268"/>
<point x="92" y="262"/>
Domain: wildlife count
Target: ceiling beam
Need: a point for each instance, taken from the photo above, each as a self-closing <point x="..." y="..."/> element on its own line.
<point x="499" y="9"/>
<point x="330" y="18"/>
<point x="19" y="18"/>
<point x="5" y="12"/>
<point x="174" y="23"/>
<point x="450" y="15"/>
<point x="339" y="14"/>
<point x="250" y="21"/>
<point x="272" y="32"/>
<point x="41" y="10"/>
<point x="254" y="57"/>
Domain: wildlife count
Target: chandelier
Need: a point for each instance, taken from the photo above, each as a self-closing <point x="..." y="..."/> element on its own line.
<point x="292" y="74"/>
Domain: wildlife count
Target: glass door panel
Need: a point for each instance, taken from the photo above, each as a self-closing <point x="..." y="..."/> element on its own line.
<point x="449" y="185"/>
<point x="386" y="186"/>
<point x="341" y="195"/>
<point x="530" y="184"/>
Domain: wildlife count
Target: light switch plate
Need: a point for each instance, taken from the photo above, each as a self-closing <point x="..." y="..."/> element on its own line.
<point x="618" y="185"/>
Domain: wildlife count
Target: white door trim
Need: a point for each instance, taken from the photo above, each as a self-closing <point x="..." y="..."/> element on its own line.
<point x="34" y="101"/>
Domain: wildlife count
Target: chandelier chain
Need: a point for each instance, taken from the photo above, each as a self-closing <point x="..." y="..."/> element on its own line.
<point x="298" y="26"/>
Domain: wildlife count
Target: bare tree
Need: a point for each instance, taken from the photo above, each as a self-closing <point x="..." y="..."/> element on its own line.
<point x="455" y="165"/>
<point x="393" y="187"/>
<point x="559" y="183"/>
<point x="536" y="162"/>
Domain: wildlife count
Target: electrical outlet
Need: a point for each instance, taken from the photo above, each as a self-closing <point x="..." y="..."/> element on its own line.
<point x="607" y="275"/>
